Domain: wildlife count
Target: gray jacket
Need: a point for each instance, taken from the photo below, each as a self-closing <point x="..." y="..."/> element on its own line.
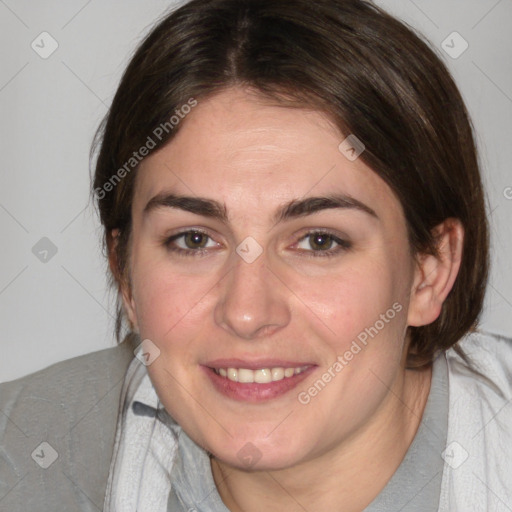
<point x="57" y="429"/>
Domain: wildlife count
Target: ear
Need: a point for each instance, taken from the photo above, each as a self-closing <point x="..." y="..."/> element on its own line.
<point x="123" y="283"/>
<point x="434" y="275"/>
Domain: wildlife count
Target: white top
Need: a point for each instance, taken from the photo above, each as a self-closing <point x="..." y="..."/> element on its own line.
<point x="478" y="459"/>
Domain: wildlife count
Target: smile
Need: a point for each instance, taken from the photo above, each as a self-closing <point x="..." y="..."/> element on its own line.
<point x="260" y="376"/>
<point x="266" y="380"/>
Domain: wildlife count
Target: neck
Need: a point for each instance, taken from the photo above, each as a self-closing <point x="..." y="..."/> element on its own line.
<point x="353" y="472"/>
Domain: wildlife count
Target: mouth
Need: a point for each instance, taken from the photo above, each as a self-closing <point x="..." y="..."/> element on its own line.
<point x="261" y="375"/>
<point x="256" y="382"/>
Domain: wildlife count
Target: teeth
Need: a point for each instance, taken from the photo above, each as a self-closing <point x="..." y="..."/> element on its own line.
<point x="277" y="373"/>
<point x="289" y="372"/>
<point x="261" y="376"/>
<point x="232" y="374"/>
<point x="245" y="375"/>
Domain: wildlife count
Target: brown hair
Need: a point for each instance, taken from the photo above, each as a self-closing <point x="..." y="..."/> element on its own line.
<point x="370" y="73"/>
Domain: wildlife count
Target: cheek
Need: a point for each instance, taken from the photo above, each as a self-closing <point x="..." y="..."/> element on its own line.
<point x="167" y="301"/>
<point x="354" y="299"/>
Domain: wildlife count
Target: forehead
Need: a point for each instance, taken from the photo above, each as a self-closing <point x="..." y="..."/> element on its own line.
<point x="239" y="150"/>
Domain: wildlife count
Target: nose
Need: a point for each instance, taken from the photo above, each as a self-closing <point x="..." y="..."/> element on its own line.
<point x="253" y="302"/>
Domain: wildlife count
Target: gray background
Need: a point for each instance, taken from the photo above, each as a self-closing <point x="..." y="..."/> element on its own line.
<point x="56" y="306"/>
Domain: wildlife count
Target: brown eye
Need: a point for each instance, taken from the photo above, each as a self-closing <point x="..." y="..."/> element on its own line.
<point x="195" y="240"/>
<point x="320" y="241"/>
<point x="192" y="242"/>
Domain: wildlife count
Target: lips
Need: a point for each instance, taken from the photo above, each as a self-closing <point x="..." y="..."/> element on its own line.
<point x="256" y="380"/>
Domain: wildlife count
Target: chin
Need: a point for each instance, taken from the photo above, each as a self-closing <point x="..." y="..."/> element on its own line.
<point x="259" y="455"/>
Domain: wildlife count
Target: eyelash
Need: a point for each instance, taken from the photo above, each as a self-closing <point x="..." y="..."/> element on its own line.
<point x="342" y="245"/>
<point x="186" y="252"/>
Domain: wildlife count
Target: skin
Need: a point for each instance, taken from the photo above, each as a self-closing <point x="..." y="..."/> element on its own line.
<point x="253" y="157"/>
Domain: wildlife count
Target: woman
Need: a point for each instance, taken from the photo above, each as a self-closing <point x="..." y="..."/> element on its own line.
<point x="294" y="219"/>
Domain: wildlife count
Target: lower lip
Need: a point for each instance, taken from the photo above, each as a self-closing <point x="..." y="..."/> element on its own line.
<point x="254" y="392"/>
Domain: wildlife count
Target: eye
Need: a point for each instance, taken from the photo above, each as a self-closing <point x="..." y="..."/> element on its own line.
<point x="193" y="241"/>
<point x="322" y="243"/>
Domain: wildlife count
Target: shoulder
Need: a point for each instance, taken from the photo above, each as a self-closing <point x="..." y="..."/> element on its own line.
<point x="63" y="382"/>
<point x="57" y="429"/>
<point x="488" y="363"/>
<point x="478" y="451"/>
<point x="84" y="364"/>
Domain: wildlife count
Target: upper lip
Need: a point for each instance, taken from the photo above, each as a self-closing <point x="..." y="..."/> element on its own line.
<point x="255" y="364"/>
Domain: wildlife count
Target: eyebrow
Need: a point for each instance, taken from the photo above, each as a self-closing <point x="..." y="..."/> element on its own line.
<point x="293" y="209"/>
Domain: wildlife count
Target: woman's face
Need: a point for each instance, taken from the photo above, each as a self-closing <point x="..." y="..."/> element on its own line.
<point x="258" y="244"/>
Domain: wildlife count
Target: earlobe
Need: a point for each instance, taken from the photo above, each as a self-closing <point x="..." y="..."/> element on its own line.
<point x="123" y="285"/>
<point x="435" y="276"/>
